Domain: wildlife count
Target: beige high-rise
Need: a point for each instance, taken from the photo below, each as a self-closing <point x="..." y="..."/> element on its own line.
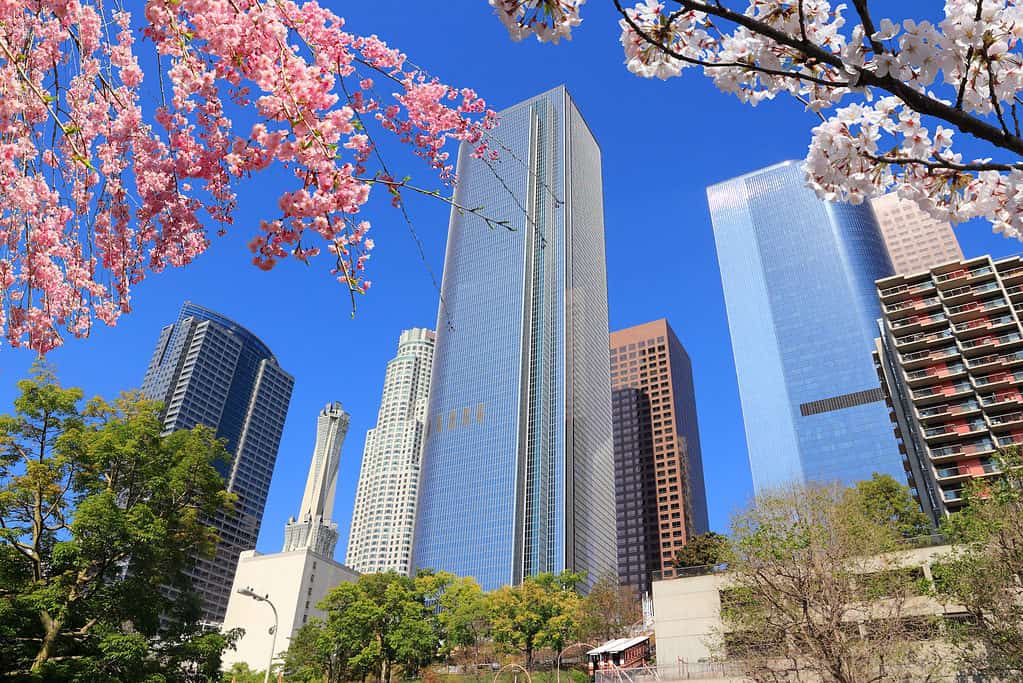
<point x="385" y="500"/>
<point x="915" y="241"/>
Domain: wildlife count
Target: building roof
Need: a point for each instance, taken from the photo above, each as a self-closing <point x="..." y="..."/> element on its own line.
<point x="618" y="645"/>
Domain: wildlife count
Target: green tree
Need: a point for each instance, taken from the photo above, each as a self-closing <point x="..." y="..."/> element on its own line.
<point x="806" y="562"/>
<point x="383" y="620"/>
<point x="885" y="501"/>
<point x="241" y="673"/>
<point x="98" y="513"/>
<point x="984" y="571"/>
<point x="706" y="549"/>
<point x="314" y="655"/>
<point x="609" y="610"/>
<point x="539" y="612"/>
<point x="464" y="618"/>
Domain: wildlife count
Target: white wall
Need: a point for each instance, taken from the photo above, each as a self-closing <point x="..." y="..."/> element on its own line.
<point x="295" y="582"/>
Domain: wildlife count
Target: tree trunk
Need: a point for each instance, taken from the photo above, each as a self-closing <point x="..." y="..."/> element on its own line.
<point x="385" y="675"/>
<point x="52" y="627"/>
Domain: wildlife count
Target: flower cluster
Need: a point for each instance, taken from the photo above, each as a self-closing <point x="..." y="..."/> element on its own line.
<point x="548" y="20"/>
<point x="906" y="78"/>
<point x="99" y="192"/>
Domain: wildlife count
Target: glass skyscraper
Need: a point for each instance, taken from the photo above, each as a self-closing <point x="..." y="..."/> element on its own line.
<point x="798" y="276"/>
<point x="209" y="370"/>
<point x="518" y="472"/>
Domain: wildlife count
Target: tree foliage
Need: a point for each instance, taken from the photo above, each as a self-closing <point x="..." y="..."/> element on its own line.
<point x="984" y="573"/>
<point x="538" y="613"/>
<point x="98" y="513"/>
<point x="884" y="501"/>
<point x="609" y="610"/>
<point x="706" y="549"/>
<point x="890" y="93"/>
<point x="816" y="590"/>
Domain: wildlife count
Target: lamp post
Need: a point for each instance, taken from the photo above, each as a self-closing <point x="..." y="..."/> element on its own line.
<point x="249" y="593"/>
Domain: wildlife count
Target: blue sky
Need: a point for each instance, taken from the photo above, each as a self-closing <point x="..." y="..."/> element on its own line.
<point x="662" y="143"/>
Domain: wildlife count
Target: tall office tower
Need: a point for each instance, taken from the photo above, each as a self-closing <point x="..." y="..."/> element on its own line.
<point x="650" y="360"/>
<point x="385" y="501"/>
<point x="951" y="355"/>
<point x="313" y="528"/>
<point x="798" y="276"/>
<point x="518" y="467"/>
<point x="914" y="240"/>
<point x="299" y="577"/>
<point x="210" y="370"/>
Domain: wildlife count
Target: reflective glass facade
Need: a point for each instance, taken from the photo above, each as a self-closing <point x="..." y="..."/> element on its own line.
<point x="517" y="472"/>
<point x="798" y="278"/>
<point x="208" y="369"/>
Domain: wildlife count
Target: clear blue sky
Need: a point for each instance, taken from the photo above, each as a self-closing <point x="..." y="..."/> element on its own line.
<point x="662" y="142"/>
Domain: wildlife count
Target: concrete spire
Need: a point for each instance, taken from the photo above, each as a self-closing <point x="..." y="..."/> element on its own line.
<point x="313" y="529"/>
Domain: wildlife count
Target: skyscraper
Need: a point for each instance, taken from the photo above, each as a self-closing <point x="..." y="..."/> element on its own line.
<point x="299" y="577"/>
<point x="518" y="473"/>
<point x="385" y="501"/>
<point x="658" y="464"/>
<point x="951" y="354"/>
<point x="313" y="528"/>
<point x="208" y="369"/>
<point x="914" y="240"/>
<point x="798" y="276"/>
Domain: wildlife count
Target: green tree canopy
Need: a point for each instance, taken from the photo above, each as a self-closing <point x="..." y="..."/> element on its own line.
<point x="706" y="549"/>
<point x="540" y="612"/>
<point x="98" y="514"/>
<point x="885" y="501"/>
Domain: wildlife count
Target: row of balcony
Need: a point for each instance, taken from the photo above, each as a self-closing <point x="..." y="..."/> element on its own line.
<point x="990" y="382"/>
<point x="954" y="283"/>
<point x="974" y="426"/>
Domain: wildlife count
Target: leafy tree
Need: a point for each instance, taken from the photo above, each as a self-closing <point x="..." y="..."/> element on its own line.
<point x="806" y="562"/>
<point x="464" y="617"/>
<point x="608" y="611"/>
<point x="539" y="612"/>
<point x="706" y="549"/>
<point x="885" y="501"/>
<point x="984" y="572"/>
<point x="241" y="673"/>
<point x="314" y="655"/>
<point x="383" y="620"/>
<point x="98" y="513"/>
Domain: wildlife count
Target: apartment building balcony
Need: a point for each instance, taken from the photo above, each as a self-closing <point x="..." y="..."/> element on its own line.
<point x="950" y="474"/>
<point x="983" y="345"/>
<point x="1015" y="292"/>
<point x="998" y="380"/>
<point x="959" y="295"/>
<point x="941" y="393"/>
<point x="976" y="309"/>
<point x="945" y="454"/>
<point x="962" y="276"/>
<point x="955" y="430"/>
<point x="983" y="326"/>
<point x="1002" y="399"/>
<point x="921" y="340"/>
<point x="1012" y="275"/>
<point x="919" y="359"/>
<point x="953" y="497"/>
<point x="1005" y="421"/>
<point x="917" y="323"/>
<point x="906" y="290"/>
<point x="944" y="411"/>
<point x="933" y="373"/>
<point x="915" y="304"/>
<point x="1014" y="438"/>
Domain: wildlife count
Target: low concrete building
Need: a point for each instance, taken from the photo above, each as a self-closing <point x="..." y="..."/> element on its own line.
<point x="295" y="582"/>
<point x="296" y="579"/>
<point x="687" y="615"/>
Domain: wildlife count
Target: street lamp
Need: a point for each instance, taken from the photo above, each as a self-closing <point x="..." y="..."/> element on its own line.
<point x="249" y="593"/>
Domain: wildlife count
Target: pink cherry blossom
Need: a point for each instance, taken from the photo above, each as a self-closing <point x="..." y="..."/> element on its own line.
<point x="102" y="190"/>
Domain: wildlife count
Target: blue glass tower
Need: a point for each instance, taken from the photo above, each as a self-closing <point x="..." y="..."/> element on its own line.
<point x="209" y="370"/>
<point x="518" y="467"/>
<point x="798" y="276"/>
